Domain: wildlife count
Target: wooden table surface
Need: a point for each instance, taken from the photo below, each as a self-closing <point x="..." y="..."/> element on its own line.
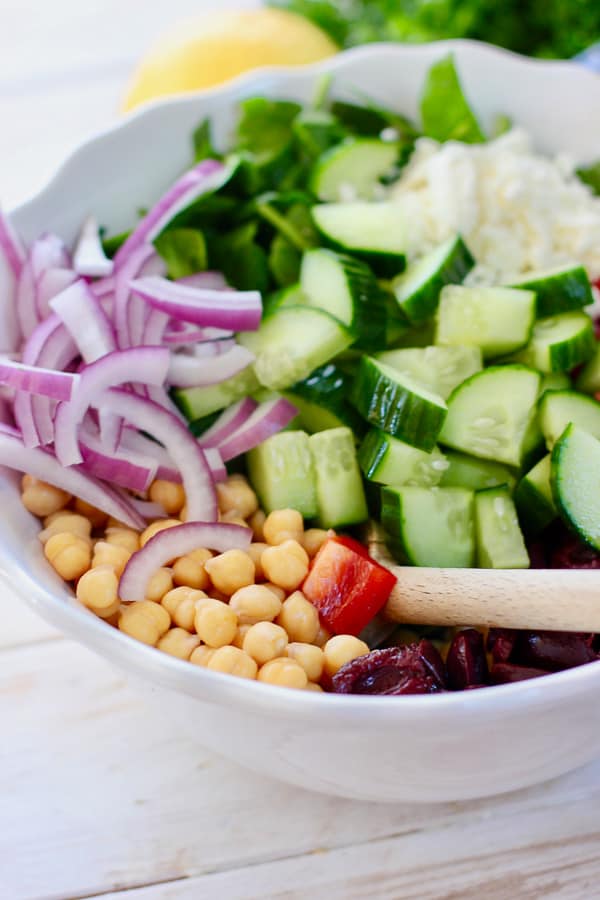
<point x="97" y="798"/>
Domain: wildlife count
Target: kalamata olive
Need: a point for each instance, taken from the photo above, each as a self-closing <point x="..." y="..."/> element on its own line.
<point x="413" y="669"/>
<point x="466" y="661"/>
<point x="572" y="553"/>
<point x="554" y="650"/>
<point x="506" y="673"/>
<point x="538" y="557"/>
<point x="501" y="642"/>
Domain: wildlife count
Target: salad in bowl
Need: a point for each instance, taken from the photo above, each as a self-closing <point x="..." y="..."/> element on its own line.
<point x="348" y="312"/>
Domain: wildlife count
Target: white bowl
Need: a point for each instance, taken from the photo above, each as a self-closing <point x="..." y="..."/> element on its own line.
<point x="421" y="748"/>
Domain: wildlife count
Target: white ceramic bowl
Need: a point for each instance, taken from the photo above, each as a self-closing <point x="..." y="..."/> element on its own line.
<point x="422" y="748"/>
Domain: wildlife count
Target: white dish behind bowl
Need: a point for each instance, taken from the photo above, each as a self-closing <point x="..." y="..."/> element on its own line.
<point x="443" y="747"/>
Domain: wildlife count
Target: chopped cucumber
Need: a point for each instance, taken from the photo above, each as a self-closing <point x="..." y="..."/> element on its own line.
<point x="589" y="377"/>
<point x="475" y="474"/>
<point x="397" y="404"/>
<point x="441" y="369"/>
<point x="197" y="402"/>
<point x="387" y="460"/>
<point x="418" y="289"/>
<point x="575" y="479"/>
<point x="353" y="169"/>
<point x="282" y="473"/>
<point x="429" y="527"/>
<point x="559" y="343"/>
<point x="287" y="296"/>
<point x="292" y="342"/>
<point x="345" y="288"/>
<point x="559" y="290"/>
<point x="340" y="494"/>
<point x="374" y="232"/>
<point x="500" y="543"/>
<point x="490" y="413"/>
<point x="558" y="408"/>
<point x="555" y="381"/>
<point x="534" y="499"/>
<point x="321" y="401"/>
<point x="498" y="320"/>
<point x="534" y="446"/>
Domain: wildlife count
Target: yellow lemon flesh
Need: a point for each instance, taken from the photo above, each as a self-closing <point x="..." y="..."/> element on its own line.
<point x="214" y="48"/>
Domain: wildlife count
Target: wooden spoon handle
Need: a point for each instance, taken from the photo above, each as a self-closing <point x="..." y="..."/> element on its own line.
<point x="545" y="599"/>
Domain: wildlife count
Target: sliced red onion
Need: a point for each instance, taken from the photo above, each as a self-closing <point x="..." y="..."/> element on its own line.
<point x="104" y="287"/>
<point x="125" y="470"/>
<point x="7" y="417"/>
<point x="111" y="428"/>
<point x="10" y="330"/>
<point x="233" y="418"/>
<point x="85" y="320"/>
<point x="27" y="312"/>
<point x="36" y="380"/>
<point x="42" y="464"/>
<point x="269" y="418"/>
<point x="215" y="461"/>
<point x="131" y="439"/>
<point x="48" y="252"/>
<point x="130" y="268"/>
<point x="89" y="257"/>
<point x="175" y="542"/>
<point x="154" y="328"/>
<point x="148" y="365"/>
<point x="148" y="509"/>
<point x="236" y="310"/>
<point x="11" y="246"/>
<point x="50" y="283"/>
<point x="183" y="335"/>
<point x="25" y="419"/>
<point x="214" y="281"/>
<point x="207" y="176"/>
<point x="181" y="446"/>
<point x="191" y="371"/>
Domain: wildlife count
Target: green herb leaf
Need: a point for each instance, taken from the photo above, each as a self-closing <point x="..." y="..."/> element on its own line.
<point x="284" y="261"/>
<point x="445" y="112"/>
<point x="591" y="176"/>
<point x="239" y="256"/>
<point x="317" y="131"/>
<point x="264" y="128"/>
<point x="183" y="250"/>
<point x="202" y="141"/>
<point x="110" y="245"/>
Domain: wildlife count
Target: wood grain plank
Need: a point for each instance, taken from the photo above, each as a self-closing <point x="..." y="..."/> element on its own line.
<point x="99" y="790"/>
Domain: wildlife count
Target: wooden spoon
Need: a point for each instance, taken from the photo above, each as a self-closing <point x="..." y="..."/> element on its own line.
<point x="544" y="599"/>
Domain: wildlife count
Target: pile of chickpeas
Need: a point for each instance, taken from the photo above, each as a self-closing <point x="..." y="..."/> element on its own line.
<point x="240" y="612"/>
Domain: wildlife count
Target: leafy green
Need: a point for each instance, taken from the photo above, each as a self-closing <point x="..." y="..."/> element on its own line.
<point x="202" y="142"/>
<point x="369" y="119"/>
<point x="264" y="141"/>
<point x="316" y="131"/>
<point x="111" y="244"/>
<point x="239" y="256"/>
<point x="183" y="250"/>
<point x="445" y="112"/>
<point x="284" y="261"/>
<point x="591" y="176"/>
<point x="549" y="28"/>
<point x="296" y="233"/>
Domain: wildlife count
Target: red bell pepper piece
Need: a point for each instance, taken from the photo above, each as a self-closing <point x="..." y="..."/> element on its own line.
<point x="346" y="585"/>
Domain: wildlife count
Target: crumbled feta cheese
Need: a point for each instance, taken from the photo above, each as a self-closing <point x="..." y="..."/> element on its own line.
<point x="516" y="209"/>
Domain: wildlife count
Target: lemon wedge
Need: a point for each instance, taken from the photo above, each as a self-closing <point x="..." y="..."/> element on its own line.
<point x="214" y="48"/>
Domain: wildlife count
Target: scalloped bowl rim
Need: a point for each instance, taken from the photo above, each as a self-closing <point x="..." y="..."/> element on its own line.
<point x="77" y="622"/>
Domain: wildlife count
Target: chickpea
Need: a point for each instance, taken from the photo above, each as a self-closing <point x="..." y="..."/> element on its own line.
<point x="178" y="642"/>
<point x="322" y="637"/>
<point x="110" y="614"/>
<point x="40" y="498"/>
<point x="144" y="620"/>
<point x="155" y="527"/>
<point x="255" y="603"/>
<point x="299" y="618"/>
<point x="233" y="519"/>
<point x="240" y="634"/>
<point x="230" y="571"/>
<point x="110" y="555"/>
<point x="96" y="516"/>
<point x="313" y="540"/>
<point x="123" y="537"/>
<point x="279" y="592"/>
<point x="286" y="564"/>
<point x="215" y="623"/>
<point x="312" y="686"/>
<point x="201" y="655"/>
<point x="283" y="525"/>
<point x="183" y="513"/>
<point x="69" y="554"/>
<point x="66" y="522"/>
<point x="235" y="495"/>
<point x="98" y="588"/>
<point x="190" y="570"/>
<point x="233" y="661"/>
<point x="169" y="494"/>
<point x="265" y="641"/>
<point x="181" y="604"/>
<point x="255" y="552"/>
<point x="256" y="523"/>
<point x="283" y="672"/>
<point x="160" y="584"/>
<point x="340" y="649"/>
<point x="308" y="656"/>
